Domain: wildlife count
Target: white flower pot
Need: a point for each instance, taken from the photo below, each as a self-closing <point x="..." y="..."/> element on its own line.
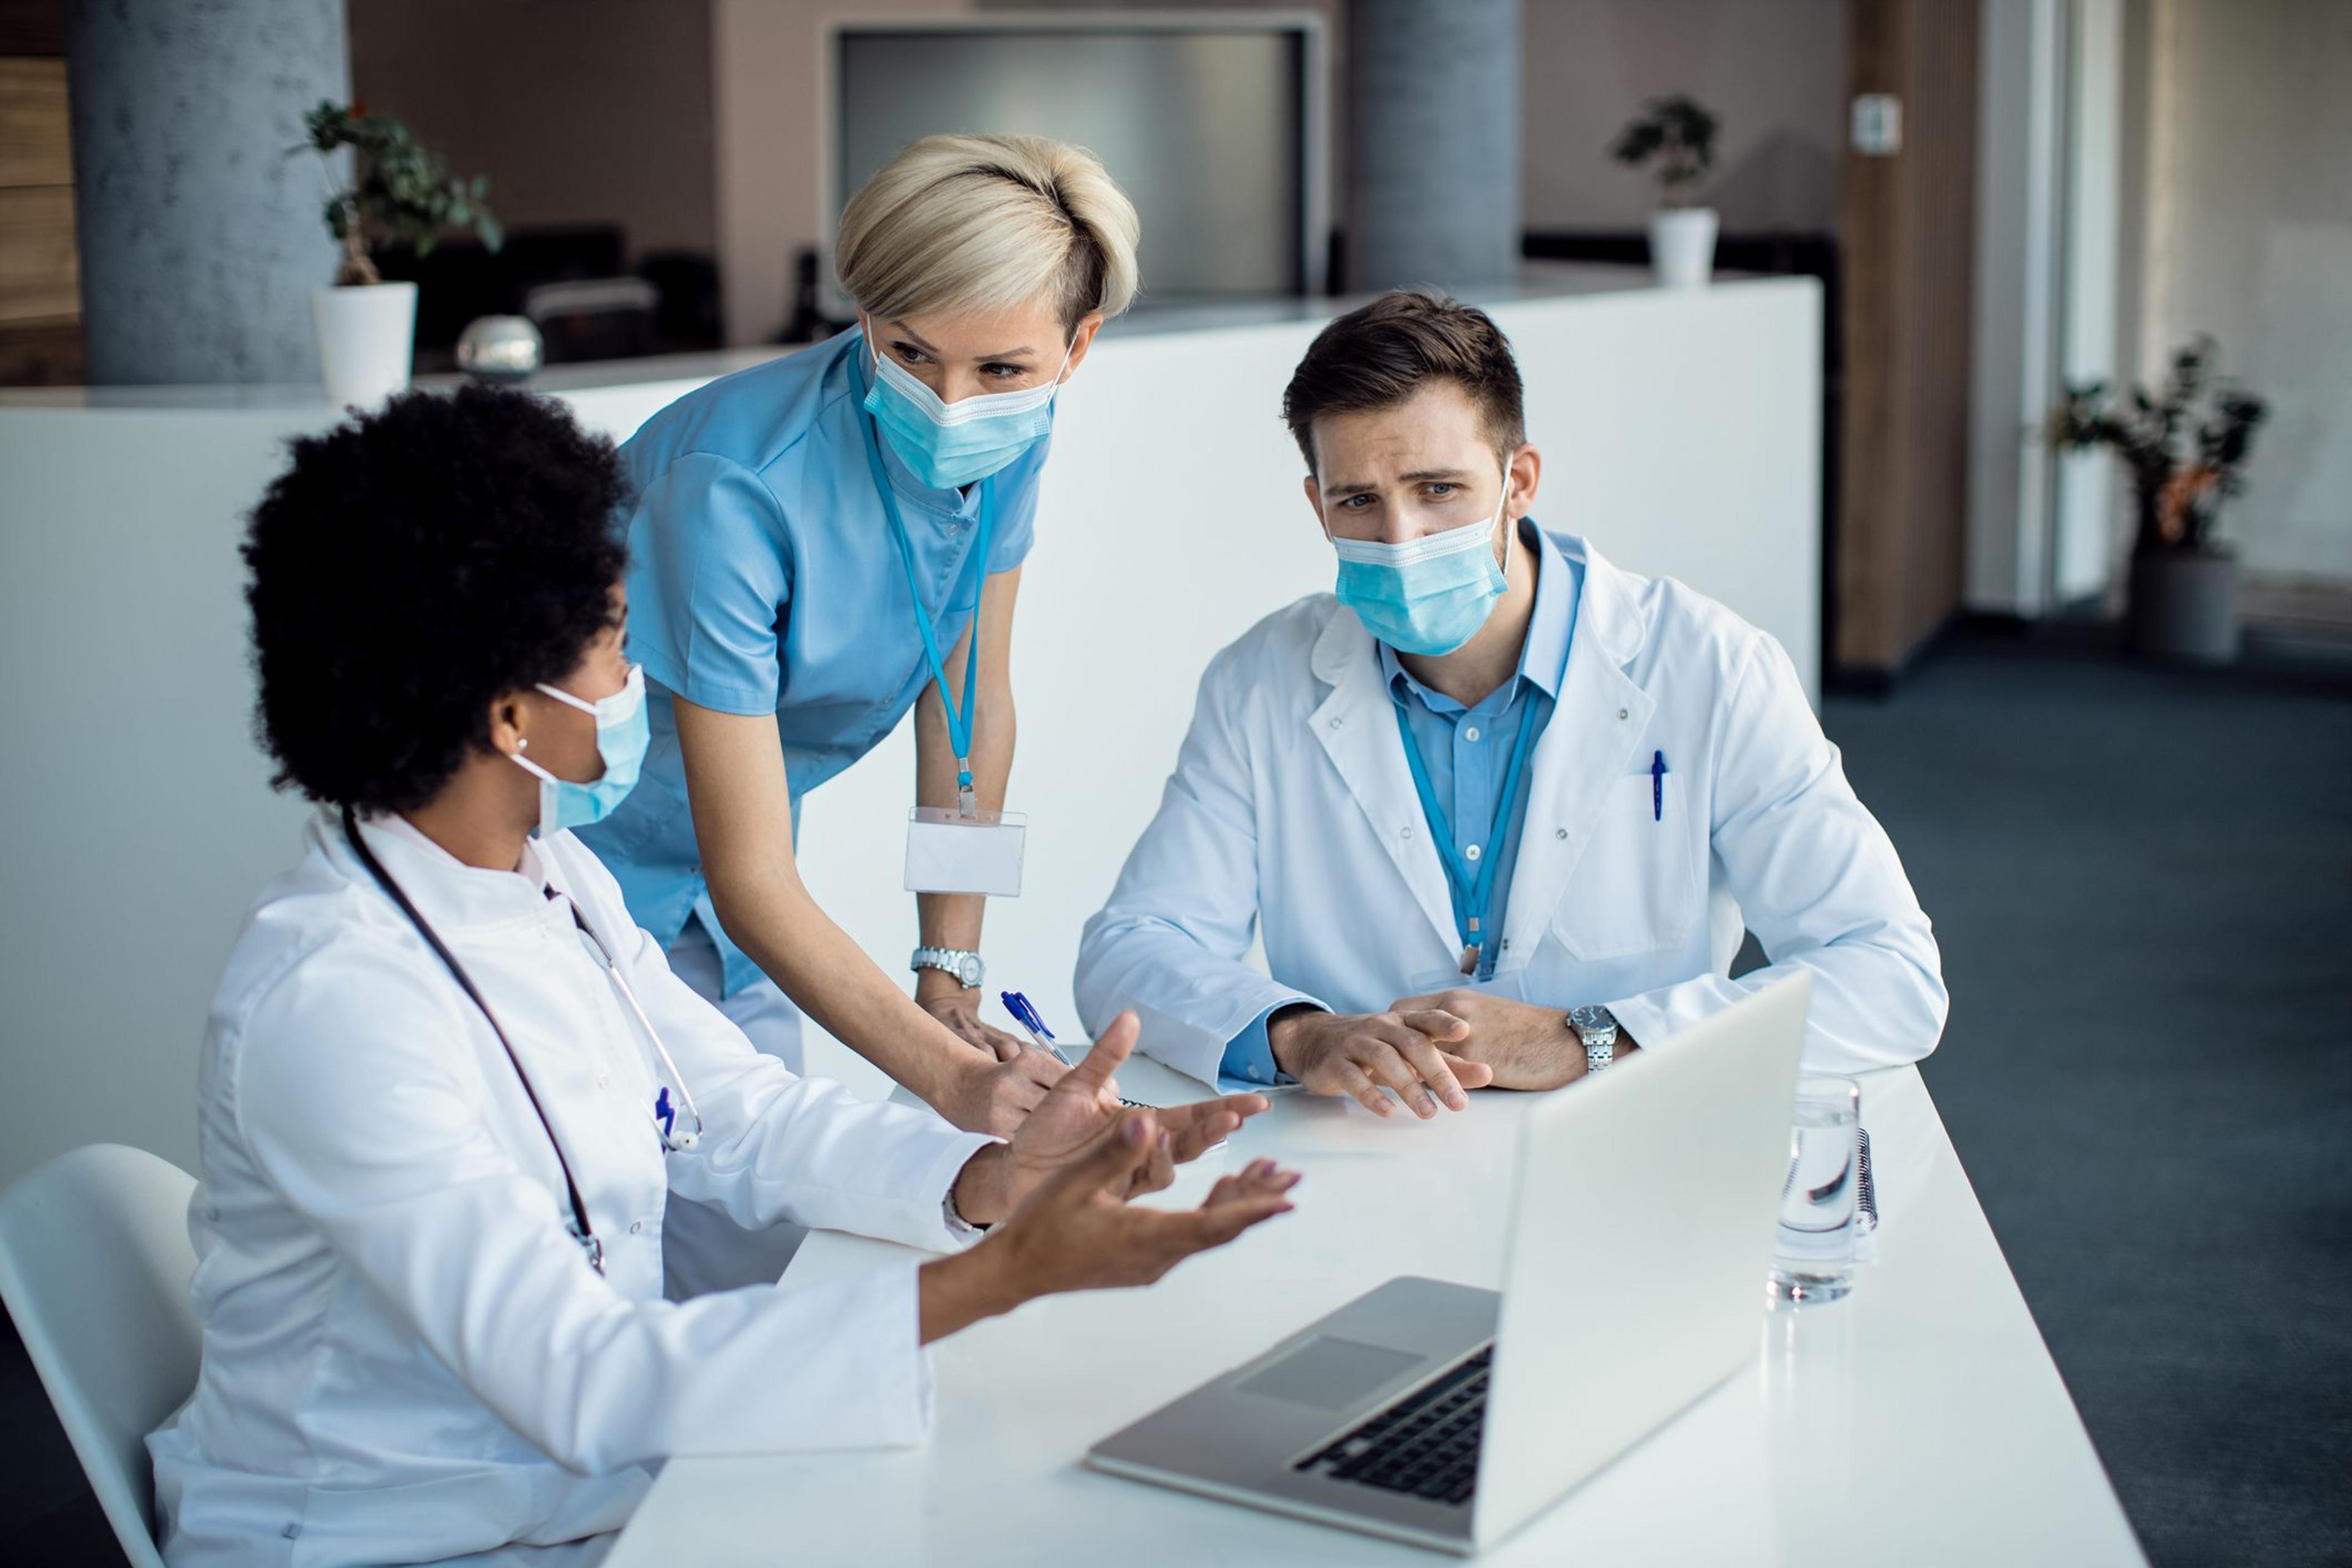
<point x="1682" y="245"/>
<point x="367" y="341"/>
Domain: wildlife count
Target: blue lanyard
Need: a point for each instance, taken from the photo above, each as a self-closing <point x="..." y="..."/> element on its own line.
<point x="1471" y="889"/>
<point x="958" y="719"/>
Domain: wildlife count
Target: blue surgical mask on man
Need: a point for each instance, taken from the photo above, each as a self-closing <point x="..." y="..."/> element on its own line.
<point x="1428" y="595"/>
<point x="950" y="445"/>
<point x="623" y="733"/>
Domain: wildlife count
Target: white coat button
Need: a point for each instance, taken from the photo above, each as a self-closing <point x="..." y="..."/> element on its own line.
<point x="1471" y="853"/>
<point x="1559" y="833"/>
<point x="1621" y="713"/>
<point x="637" y="1227"/>
<point x="1334" y="724"/>
<point x="604" y="1080"/>
<point x="1404" y="832"/>
<point x="1471" y="733"/>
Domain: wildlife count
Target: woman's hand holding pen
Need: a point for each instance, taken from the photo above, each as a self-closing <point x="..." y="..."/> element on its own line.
<point x="1081" y="1112"/>
<point x="957" y="1007"/>
<point x="981" y="1094"/>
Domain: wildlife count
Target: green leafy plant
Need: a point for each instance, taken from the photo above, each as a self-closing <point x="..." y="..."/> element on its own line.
<point x="2182" y="465"/>
<point x="1677" y="135"/>
<point x="402" y="193"/>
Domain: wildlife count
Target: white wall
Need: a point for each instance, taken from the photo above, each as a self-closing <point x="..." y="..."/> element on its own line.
<point x="1680" y="432"/>
<point x="2013" y="362"/>
<point x="2249" y="206"/>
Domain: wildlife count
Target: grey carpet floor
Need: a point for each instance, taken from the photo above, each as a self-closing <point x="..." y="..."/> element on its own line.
<point x="2142" y="881"/>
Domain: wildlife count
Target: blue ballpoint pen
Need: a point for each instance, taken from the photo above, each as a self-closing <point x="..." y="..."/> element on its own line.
<point x="1032" y="1025"/>
<point x="1033" y="1022"/>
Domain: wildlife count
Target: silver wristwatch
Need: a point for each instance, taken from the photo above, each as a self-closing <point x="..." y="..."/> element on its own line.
<point x="1597" y="1027"/>
<point x="963" y="965"/>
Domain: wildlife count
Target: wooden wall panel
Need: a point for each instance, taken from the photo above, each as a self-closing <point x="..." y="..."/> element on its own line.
<point x="36" y="142"/>
<point x="1907" y="235"/>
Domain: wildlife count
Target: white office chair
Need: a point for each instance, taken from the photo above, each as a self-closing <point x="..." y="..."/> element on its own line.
<point x="94" y="1266"/>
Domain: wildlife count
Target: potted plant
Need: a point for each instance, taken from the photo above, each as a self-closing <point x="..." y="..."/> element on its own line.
<point x="367" y="327"/>
<point x="1675" y="135"/>
<point x="2183" y="594"/>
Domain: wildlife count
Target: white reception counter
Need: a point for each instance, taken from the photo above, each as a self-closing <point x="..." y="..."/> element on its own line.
<point x="1680" y="432"/>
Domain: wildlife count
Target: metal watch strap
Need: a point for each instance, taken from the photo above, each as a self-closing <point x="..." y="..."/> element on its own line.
<point x="1597" y="1028"/>
<point x="961" y="962"/>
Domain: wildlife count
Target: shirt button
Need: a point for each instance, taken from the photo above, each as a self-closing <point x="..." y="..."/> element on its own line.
<point x="1471" y="733"/>
<point x="1620" y="712"/>
<point x="1334" y="724"/>
<point x="604" y="1080"/>
<point x="1559" y="833"/>
<point x="1471" y="853"/>
<point x="1404" y="832"/>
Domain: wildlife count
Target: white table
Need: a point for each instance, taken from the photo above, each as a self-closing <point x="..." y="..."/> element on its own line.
<point x="1920" y="1421"/>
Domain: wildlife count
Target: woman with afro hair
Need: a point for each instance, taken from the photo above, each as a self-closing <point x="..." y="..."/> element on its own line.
<point x="448" y="1084"/>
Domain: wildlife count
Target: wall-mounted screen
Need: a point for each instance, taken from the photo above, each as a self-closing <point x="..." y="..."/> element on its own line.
<point x="1212" y="125"/>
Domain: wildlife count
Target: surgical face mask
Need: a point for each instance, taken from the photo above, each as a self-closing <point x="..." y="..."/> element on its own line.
<point x="1428" y="595"/>
<point x="622" y="735"/>
<point x="950" y="445"/>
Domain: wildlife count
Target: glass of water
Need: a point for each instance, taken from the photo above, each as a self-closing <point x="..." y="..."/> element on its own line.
<point x="1819" y="1198"/>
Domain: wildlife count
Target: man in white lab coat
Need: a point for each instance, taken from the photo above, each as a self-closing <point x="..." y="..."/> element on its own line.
<point x="1499" y="809"/>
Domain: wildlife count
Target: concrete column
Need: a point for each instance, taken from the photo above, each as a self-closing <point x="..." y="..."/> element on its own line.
<point x="199" y="239"/>
<point x="1433" y="143"/>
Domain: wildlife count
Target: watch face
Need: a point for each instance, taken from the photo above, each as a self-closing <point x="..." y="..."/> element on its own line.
<point x="967" y="970"/>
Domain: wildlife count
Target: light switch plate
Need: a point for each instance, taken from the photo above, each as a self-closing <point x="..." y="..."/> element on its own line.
<point x="1877" y="131"/>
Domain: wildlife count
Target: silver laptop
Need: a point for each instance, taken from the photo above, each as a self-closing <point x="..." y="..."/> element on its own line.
<point x="1640" y="1234"/>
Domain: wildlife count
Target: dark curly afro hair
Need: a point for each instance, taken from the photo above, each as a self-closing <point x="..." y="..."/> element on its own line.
<point x="412" y="565"/>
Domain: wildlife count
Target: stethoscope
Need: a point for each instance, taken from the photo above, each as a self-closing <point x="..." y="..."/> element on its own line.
<point x="665" y="1114"/>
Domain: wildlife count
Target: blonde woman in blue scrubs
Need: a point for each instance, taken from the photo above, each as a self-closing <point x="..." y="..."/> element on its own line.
<point x="823" y="542"/>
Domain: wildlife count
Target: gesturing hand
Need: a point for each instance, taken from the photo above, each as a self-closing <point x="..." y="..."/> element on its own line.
<point x="1078" y="1113"/>
<point x="1074" y="1231"/>
<point x="1363" y="1055"/>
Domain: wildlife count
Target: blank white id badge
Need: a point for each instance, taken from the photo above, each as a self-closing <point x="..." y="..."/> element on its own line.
<point x="948" y="852"/>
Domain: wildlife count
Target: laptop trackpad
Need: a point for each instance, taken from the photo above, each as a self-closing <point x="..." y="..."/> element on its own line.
<point x="1329" y="1373"/>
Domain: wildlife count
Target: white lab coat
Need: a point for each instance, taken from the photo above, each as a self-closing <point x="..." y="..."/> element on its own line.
<point x="406" y="1357"/>
<point x="1292" y="807"/>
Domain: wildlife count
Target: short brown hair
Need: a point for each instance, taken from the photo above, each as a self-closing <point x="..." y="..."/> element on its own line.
<point x="1380" y="354"/>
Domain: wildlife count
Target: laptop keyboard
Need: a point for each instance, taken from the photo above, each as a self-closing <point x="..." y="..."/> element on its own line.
<point x="1426" y="1444"/>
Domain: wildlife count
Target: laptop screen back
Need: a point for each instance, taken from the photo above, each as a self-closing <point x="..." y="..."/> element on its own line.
<point x="1639" y="1240"/>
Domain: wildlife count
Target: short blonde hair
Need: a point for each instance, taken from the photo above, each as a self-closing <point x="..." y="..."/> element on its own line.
<point x="989" y="223"/>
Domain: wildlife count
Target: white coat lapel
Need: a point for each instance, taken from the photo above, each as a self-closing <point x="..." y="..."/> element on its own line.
<point x="1587" y="746"/>
<point x="1355" y="725"/>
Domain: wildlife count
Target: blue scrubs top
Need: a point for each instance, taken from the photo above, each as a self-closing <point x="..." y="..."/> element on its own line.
<point x="764" y="579"/>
